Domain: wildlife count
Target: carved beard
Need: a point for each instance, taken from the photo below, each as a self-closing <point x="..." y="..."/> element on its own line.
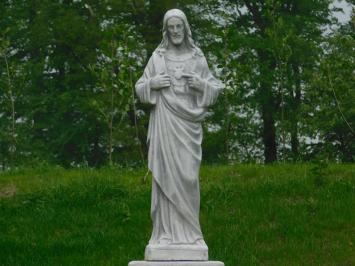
<point x="177" y="40"/>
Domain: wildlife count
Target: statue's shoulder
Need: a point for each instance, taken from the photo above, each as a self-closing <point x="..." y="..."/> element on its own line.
<point x="159" y="52"/>
<point x="198" y="52"/>
<point x="157" y="56"/>
<point x="200" y="57"/>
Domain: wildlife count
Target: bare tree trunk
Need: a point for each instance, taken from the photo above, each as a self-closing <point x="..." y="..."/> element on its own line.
<point x="268" y="107"/>
<point x="110" y="126"/>
<point x="296" y="106"/>
<point x="141" y="135"/>
<point x="266" y="100"/>
<point x="12" y="103"/>
<point x="269" y="135"/>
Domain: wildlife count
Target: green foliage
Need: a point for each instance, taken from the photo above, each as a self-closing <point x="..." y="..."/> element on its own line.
<point x="68" y="70"/>
<point x="319" y="171"/>
<point x="333" y="96"/>
<point x="250" y="215"/>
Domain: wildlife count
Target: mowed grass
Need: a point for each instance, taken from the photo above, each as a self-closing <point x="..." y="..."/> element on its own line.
<point x="250" y="215"/>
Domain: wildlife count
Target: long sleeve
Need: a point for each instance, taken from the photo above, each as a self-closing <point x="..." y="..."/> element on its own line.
<point x="143" y="90"/>
<point x="211" y="89"/>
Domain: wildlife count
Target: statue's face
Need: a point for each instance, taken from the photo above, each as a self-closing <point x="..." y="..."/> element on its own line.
<point x="176" y="30"/>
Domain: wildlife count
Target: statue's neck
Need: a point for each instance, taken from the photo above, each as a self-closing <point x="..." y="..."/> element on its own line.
<point x="177" y="50"/>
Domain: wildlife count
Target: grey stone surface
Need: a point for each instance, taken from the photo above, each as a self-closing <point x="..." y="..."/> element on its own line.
<point x="179" y="86"/>
<point x="176" y="263"/>
<point x="176" y="252"/>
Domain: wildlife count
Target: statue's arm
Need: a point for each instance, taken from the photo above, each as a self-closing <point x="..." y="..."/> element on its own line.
<point x="212" y="86"/>
<point x="143" y="88"/>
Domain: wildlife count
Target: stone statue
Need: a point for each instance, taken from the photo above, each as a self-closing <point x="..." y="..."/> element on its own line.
<point x="179" y="85"/>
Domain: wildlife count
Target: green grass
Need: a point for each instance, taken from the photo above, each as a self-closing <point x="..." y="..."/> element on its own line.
<point x="250" y="215"/>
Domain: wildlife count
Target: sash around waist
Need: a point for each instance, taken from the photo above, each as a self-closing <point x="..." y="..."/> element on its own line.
<point x="183" y="105"/>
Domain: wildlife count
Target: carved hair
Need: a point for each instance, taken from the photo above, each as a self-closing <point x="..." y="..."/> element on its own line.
<point x="187" y="37"/>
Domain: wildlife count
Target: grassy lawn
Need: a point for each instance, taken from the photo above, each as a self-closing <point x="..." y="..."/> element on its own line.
<point x="250" y="215"/>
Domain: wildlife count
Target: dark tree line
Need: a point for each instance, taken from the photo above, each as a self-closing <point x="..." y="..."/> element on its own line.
<point x="68" y="70"/>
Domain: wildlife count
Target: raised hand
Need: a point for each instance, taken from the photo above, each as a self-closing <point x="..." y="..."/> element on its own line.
<point x="194" y="81"/>
<point x="160" y="81"/>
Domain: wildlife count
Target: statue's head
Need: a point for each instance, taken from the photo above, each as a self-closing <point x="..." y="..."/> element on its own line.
<point x="176" y="29"/>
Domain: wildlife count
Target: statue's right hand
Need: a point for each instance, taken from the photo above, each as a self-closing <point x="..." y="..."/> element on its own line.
<point x="160" y="81"/>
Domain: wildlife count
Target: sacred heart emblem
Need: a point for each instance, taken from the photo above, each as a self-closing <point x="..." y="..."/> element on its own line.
<point x="178" y="72"/>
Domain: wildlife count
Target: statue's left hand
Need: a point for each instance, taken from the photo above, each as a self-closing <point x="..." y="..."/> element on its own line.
<point x="194" y="81"/>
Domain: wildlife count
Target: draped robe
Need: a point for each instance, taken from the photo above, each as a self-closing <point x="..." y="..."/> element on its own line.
<point x="174" y="137"/>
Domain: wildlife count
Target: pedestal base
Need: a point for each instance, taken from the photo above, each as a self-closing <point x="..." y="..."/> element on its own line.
<point x="176" y="252"/>
<point x="176" y="263"/>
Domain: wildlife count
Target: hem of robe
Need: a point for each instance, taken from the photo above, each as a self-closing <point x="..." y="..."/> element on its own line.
<point x="177" y="208"/>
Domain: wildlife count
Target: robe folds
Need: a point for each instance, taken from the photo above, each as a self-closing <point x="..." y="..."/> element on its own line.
<point x="174" y="137"/>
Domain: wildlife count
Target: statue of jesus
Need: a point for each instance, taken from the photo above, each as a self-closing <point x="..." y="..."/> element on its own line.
<point x="180" y="87"/>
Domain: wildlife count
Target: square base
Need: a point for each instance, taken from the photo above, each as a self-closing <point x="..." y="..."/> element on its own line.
<point x="176" y="252"/>
<point x="176" y="263"/>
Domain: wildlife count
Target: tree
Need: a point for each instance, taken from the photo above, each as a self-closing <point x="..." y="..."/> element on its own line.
<point x="279" y="40"/>
<point x="333" y="96"/>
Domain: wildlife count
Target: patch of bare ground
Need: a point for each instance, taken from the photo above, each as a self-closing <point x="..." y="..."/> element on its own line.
<point x="8" y="191"/>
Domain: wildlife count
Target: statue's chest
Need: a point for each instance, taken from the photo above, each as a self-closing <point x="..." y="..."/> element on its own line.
<point x="176" y="70"/>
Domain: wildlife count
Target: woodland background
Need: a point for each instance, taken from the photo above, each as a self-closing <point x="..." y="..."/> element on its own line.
<point x="68" y="70"/>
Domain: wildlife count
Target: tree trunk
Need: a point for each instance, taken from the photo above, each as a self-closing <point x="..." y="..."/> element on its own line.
<point x="268" y="106"/>
<point x="269" y="135"/>
<point x="294" y="141"/>
<point x="142" y="136"/>
<point x="266" y="101"/>
<point x="295" y="113"/>
<point x="97" y="154"/>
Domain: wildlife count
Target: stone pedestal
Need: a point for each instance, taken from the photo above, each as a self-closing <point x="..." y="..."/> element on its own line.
<point x="176" y="255"/>
<point x="176" y="263"/>
<point x="176" y="252"/>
